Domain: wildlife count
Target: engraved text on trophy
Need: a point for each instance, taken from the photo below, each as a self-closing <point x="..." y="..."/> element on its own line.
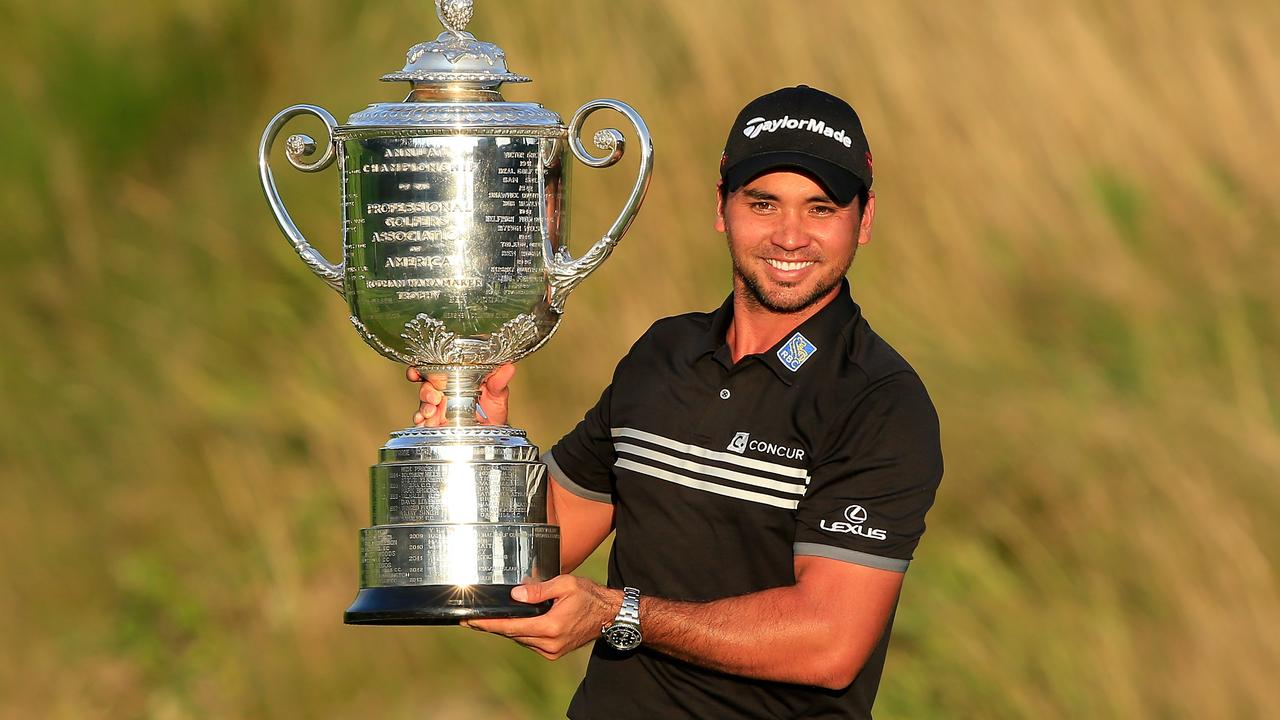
<point x="452" y="227"/>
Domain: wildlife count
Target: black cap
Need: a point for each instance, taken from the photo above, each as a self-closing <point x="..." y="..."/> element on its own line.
<point x="799" y="127"/>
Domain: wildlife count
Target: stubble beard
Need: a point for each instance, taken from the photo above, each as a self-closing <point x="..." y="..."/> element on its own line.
<point x="780" y="303"/>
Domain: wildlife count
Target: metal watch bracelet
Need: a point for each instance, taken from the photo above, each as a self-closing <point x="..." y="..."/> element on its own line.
<point x="630" y="610"/>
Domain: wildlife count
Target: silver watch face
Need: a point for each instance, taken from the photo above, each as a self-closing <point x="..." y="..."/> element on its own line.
<point x="622" y="636"/>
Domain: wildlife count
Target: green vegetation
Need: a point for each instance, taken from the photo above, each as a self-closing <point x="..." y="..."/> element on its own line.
<point x="1076" y="246"/>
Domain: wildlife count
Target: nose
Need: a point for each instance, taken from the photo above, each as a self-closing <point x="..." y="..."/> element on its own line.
<point x="791" y="233"/>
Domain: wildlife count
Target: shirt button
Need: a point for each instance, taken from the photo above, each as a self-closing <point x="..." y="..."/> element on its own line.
<point x="724" y="394"/>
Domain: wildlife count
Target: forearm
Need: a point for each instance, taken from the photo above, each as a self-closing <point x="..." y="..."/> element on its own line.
<point x="819" y="631"/>
<point x="584" y="524"/>
<point x="778" y="634"/>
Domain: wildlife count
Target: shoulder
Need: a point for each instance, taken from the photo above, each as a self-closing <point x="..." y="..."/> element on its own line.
<point x="668" y="336"/>
<point x="891" y="424"/>
<point x="876" y="391"/>
<point x="868" y="366"/>
<point x="875" y="359"/>
<point x="678" y="327"/>
<point x="900" y="398"/>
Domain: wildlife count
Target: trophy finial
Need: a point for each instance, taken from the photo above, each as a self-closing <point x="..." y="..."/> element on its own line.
<point x="455" y="14"/>
<point x="455" y="57"/>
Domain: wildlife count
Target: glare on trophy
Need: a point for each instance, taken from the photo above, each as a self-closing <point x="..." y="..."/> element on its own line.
<point x="455" y="261"/>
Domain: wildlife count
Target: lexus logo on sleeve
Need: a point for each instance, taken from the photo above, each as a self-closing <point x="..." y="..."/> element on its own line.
<point x="856" y="515"/>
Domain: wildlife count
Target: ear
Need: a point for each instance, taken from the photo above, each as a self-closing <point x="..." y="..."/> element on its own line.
<point x="720" y="207"/>
<point x="868" y="215"/>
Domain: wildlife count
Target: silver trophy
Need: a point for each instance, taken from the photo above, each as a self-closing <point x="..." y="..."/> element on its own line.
<point x="455" y="262"/>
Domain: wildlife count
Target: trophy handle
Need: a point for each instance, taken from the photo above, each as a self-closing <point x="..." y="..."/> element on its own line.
<point x="298" y="147"/>
<point x="566" y="271"/>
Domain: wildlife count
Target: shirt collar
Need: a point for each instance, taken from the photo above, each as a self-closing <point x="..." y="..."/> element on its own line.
<point x="825" y="331"/>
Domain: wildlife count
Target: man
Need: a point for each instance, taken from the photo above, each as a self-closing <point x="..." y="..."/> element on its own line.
<point x="766" y="467"/>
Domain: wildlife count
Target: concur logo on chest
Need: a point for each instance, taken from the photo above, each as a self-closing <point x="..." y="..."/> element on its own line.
<point x="742" y="442"/>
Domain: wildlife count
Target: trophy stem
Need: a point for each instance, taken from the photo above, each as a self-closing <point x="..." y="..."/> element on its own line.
<point x="462" y="385"/>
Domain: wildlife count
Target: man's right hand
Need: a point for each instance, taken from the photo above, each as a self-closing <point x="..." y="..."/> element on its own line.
<point x="493" y="397"/>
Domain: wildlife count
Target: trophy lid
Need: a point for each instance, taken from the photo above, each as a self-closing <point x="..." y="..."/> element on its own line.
<point x="455" y="57"/>
<point x="455" y="86"/>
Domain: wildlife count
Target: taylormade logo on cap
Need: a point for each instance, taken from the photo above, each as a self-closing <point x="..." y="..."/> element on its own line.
<point x="759" y="125"/>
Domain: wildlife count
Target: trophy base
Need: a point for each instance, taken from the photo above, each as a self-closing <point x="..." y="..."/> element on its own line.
<point x="436" y="605"/>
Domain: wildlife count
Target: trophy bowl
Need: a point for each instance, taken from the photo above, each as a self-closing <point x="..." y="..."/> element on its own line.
<point x="455" y="261"/>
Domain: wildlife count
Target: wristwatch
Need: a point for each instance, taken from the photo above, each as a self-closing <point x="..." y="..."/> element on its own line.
<point x="624" y="632"/>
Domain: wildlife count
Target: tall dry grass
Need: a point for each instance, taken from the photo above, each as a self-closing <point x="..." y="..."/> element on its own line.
<point x="1076" y="247"/>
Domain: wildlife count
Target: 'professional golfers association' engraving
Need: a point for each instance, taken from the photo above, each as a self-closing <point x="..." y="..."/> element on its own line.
<point x="455" y="261"/>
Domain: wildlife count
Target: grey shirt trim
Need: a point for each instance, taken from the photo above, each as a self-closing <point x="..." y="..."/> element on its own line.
<point x="851" y="556"/>
<point x="563" y="481"/>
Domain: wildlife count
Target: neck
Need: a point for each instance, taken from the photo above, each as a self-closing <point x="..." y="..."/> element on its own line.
<point x="756" y="329"/>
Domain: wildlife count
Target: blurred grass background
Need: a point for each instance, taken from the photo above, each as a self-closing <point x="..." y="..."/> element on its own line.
<point x="1076" y="247"/>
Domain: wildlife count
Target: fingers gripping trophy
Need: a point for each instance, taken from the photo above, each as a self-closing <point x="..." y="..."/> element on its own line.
<point x="454" y="262"/>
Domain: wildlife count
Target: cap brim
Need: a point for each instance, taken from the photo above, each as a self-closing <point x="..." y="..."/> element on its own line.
<point x="841" y="184"/>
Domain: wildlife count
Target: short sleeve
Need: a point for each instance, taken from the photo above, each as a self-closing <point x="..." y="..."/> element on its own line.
<point x="582" y="461"/>
<point x="875" y="480"/>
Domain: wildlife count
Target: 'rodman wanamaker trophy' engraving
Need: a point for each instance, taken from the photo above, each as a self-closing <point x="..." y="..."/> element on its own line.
<point x="455" y="262"/>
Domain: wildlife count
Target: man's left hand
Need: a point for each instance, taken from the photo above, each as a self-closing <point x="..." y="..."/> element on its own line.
<point x="581" y="608"/>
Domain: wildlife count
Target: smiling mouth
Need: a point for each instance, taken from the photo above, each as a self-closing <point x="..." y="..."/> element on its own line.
<point x="790" y="266"/>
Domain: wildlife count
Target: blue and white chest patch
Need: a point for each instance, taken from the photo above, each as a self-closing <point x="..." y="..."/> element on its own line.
<point x="797" y="350"/>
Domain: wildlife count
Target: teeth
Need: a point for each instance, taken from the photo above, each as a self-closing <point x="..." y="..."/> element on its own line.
<point x="783" y="265"/>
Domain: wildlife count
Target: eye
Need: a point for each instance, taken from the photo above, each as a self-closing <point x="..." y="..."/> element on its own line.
<point x="761" y="206"/>
<point x="822" y="210"/>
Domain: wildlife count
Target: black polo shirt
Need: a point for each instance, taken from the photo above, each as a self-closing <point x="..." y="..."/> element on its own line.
<point x="720" y="473"/>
